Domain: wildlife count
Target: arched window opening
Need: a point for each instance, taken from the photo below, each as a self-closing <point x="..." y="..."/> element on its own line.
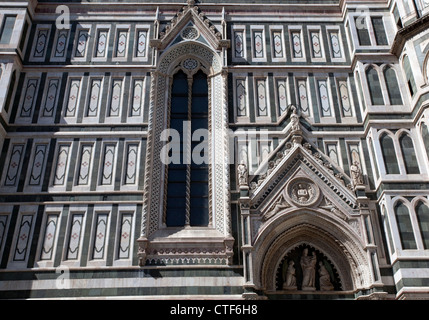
<point x="425" y="137"/>
<point x="374" y="87"/>
<point x="392" y="86"/>
<point x="422" y="211"/>
<point x="187" y="182"/>
<point x="403" y="220"/>
<point x="389" y="154"/>
<point x="410" y="159"/>
<point x="410" y="77"/>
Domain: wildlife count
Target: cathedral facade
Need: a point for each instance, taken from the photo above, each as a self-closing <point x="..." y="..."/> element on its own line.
<point x="214" y="149"/>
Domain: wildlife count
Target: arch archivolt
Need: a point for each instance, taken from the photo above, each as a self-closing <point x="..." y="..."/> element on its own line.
<point x="331" y="236"/>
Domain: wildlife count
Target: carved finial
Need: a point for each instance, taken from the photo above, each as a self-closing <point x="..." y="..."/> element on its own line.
<point x="191" y="3"/>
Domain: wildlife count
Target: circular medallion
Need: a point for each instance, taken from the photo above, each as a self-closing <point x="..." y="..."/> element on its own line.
<point x="302" y="192"/>
<point x="190" y="33"/>
<point x="190" y="64"/>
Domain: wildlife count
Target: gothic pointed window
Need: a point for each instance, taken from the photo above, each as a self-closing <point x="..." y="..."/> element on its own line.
<point x="422" y="211"/>
<point x="405" y="227"/>
<point x="409" y="154"/>
<point x="187" y="182"/>
<point x="389" y="154"/>
<point x="410" y="77"/>
<point x="392" y="86"/>
<point x="374" y="87"/>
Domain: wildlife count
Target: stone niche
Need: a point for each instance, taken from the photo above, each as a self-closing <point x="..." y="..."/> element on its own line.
<point x="306" y="269"/>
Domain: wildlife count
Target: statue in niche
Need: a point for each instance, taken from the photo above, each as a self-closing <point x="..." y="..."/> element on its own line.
<point x="308" y="265"/>
<point x="290" y="283"/>
<point x="242" y="174"/>
<point x="356" y="173"/>
<point x="324" y="278"/>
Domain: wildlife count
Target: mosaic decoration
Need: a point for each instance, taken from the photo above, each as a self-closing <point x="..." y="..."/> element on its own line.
<point x="261" y="98"/>
<point x="239" y="44"/>
<point x="315" y="44"/>
<point x="258" y="44"/>
<point x="131" y="164"/>
<point x="241" y="97"/>
<point x="345" y="98"/>
<point x="324" y="98"/>
<point x="121" y="44"/>
<point x="282" y="99"/>
<point x="296" y="44"/>
<point x="303" y="97"/>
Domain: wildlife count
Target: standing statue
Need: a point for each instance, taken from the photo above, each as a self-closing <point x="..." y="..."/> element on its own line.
<point x="325" y="279"/>
<point x="242" y="174"/>
<point x="356" y="173"/>
<point x="290" y="283"/>
<point x="308" y="265"/>
<point x="294" y="118"/>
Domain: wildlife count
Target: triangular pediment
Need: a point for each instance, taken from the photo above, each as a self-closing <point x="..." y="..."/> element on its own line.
<point x="190" y="23"/>
<point x="298" y="175"/>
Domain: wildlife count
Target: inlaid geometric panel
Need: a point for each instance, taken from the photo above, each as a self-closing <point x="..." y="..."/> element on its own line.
<point x="324" y="98"/>
<point x="41" y="43"/>
<point x="49" y="237"/>
<point x="23" y="239"/>
<point x="335" y="44"/>
<point x="60" y="47"/>
<point x="241" y="97"/>
<point x="15" y="160"/>
<point x="303" y="96"/>
<point x="94" y="98"/>
<point x="296" y="44"/>
<point x="61" y="165"/>
<point x="76" y="226"/>
<point x="239" y="44"/>
<point x="72" y="98"/>
<point x="142" y="40"/>
<point x="282" y="97"/>
<point x="258" y="44"/>
<point x="277" y="44"/>
<point x="345" y="98"/>
<point x="85" y="165"/>
<point x="49" y="104"/>
<point x="82" y="43"/>
<point x="38" y="164"/>
<point x="3" y="225"/>
<point x="100" y="236"/>
<point x="137" y="98"/>
<point x="121" y="43"/>
<point x="116" y="98"/>
<point x="131" y="163"/>
<point x="29" y="98"/>
<point x="125" y="236"/>
<point x="108" y="164"/>
<point x="332" y="152"/>
<point x="102" y="43"/>
<point x="261" y="99"/>
<point x="316" y="44"/>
